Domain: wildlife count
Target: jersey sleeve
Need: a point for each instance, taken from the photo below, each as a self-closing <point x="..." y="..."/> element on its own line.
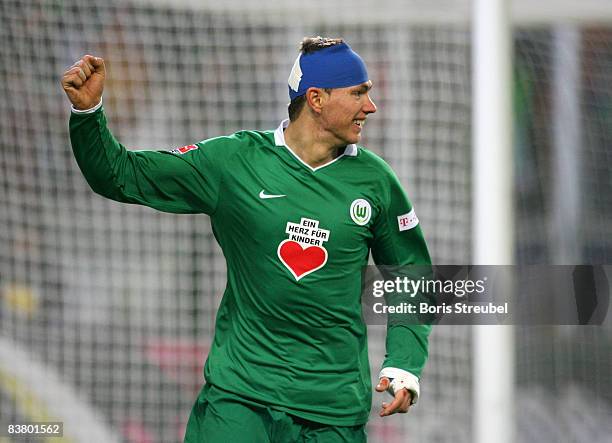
<point x="186" y="180"/>
<point x="398" y="241"/>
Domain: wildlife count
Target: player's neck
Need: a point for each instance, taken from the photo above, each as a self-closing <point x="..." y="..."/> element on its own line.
<point x="306" y="141"/>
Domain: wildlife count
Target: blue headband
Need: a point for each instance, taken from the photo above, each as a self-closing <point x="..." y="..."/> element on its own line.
<point x="337" y="66"/>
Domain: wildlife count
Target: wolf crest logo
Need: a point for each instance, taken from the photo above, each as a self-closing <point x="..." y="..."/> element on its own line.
<point x="361" y="211"/>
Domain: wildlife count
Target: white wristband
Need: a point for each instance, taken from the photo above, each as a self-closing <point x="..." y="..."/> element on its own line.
<point x="401" y="379"/>
<point x="86" y="111"/>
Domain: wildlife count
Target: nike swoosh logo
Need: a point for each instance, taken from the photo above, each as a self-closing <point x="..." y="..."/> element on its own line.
<point x="263" y="195"/>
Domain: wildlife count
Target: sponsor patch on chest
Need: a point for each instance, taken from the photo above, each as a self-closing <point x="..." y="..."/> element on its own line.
<point x="303" y="252"/>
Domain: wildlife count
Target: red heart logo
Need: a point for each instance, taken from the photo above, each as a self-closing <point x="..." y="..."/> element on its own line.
<point x="300" y="261"/>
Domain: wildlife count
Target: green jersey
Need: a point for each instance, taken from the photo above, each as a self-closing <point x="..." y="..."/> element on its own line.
<point x="289" y="331"/>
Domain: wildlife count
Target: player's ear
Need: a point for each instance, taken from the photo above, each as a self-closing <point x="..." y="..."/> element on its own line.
<point x="316" y="98"/>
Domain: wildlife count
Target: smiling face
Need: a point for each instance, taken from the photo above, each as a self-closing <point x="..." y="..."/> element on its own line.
<point x="344" y="112"/>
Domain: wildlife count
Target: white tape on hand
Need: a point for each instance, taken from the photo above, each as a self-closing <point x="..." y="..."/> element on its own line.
<point x="400" y="379"/>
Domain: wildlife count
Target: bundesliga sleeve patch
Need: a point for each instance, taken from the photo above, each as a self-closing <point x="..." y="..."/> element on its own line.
<point x="184" y="149"/>
<point x="407" y="221"/>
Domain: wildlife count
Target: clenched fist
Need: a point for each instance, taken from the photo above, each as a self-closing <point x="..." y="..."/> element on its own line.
<point x="83" y="82"/>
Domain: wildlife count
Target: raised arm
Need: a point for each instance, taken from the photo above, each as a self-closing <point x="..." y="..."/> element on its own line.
<point x="181" y="181"/>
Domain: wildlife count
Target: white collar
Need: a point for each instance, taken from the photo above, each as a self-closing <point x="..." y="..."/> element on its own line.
<point x="279" y="140"/>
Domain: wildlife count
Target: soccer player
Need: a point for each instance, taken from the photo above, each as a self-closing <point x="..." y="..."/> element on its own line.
<point x="296" y="211"/>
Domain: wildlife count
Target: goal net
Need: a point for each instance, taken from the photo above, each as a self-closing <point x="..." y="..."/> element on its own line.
<point x="107" y="310"/>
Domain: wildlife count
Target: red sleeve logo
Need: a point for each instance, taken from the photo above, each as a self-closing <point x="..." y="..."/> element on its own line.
<point x="184" y="149"/>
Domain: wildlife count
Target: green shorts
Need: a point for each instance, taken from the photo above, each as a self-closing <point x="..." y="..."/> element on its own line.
<point x="218" y="417"/>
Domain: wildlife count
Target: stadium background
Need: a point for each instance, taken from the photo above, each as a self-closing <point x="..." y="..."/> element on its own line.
<point x="107" y="310"/>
